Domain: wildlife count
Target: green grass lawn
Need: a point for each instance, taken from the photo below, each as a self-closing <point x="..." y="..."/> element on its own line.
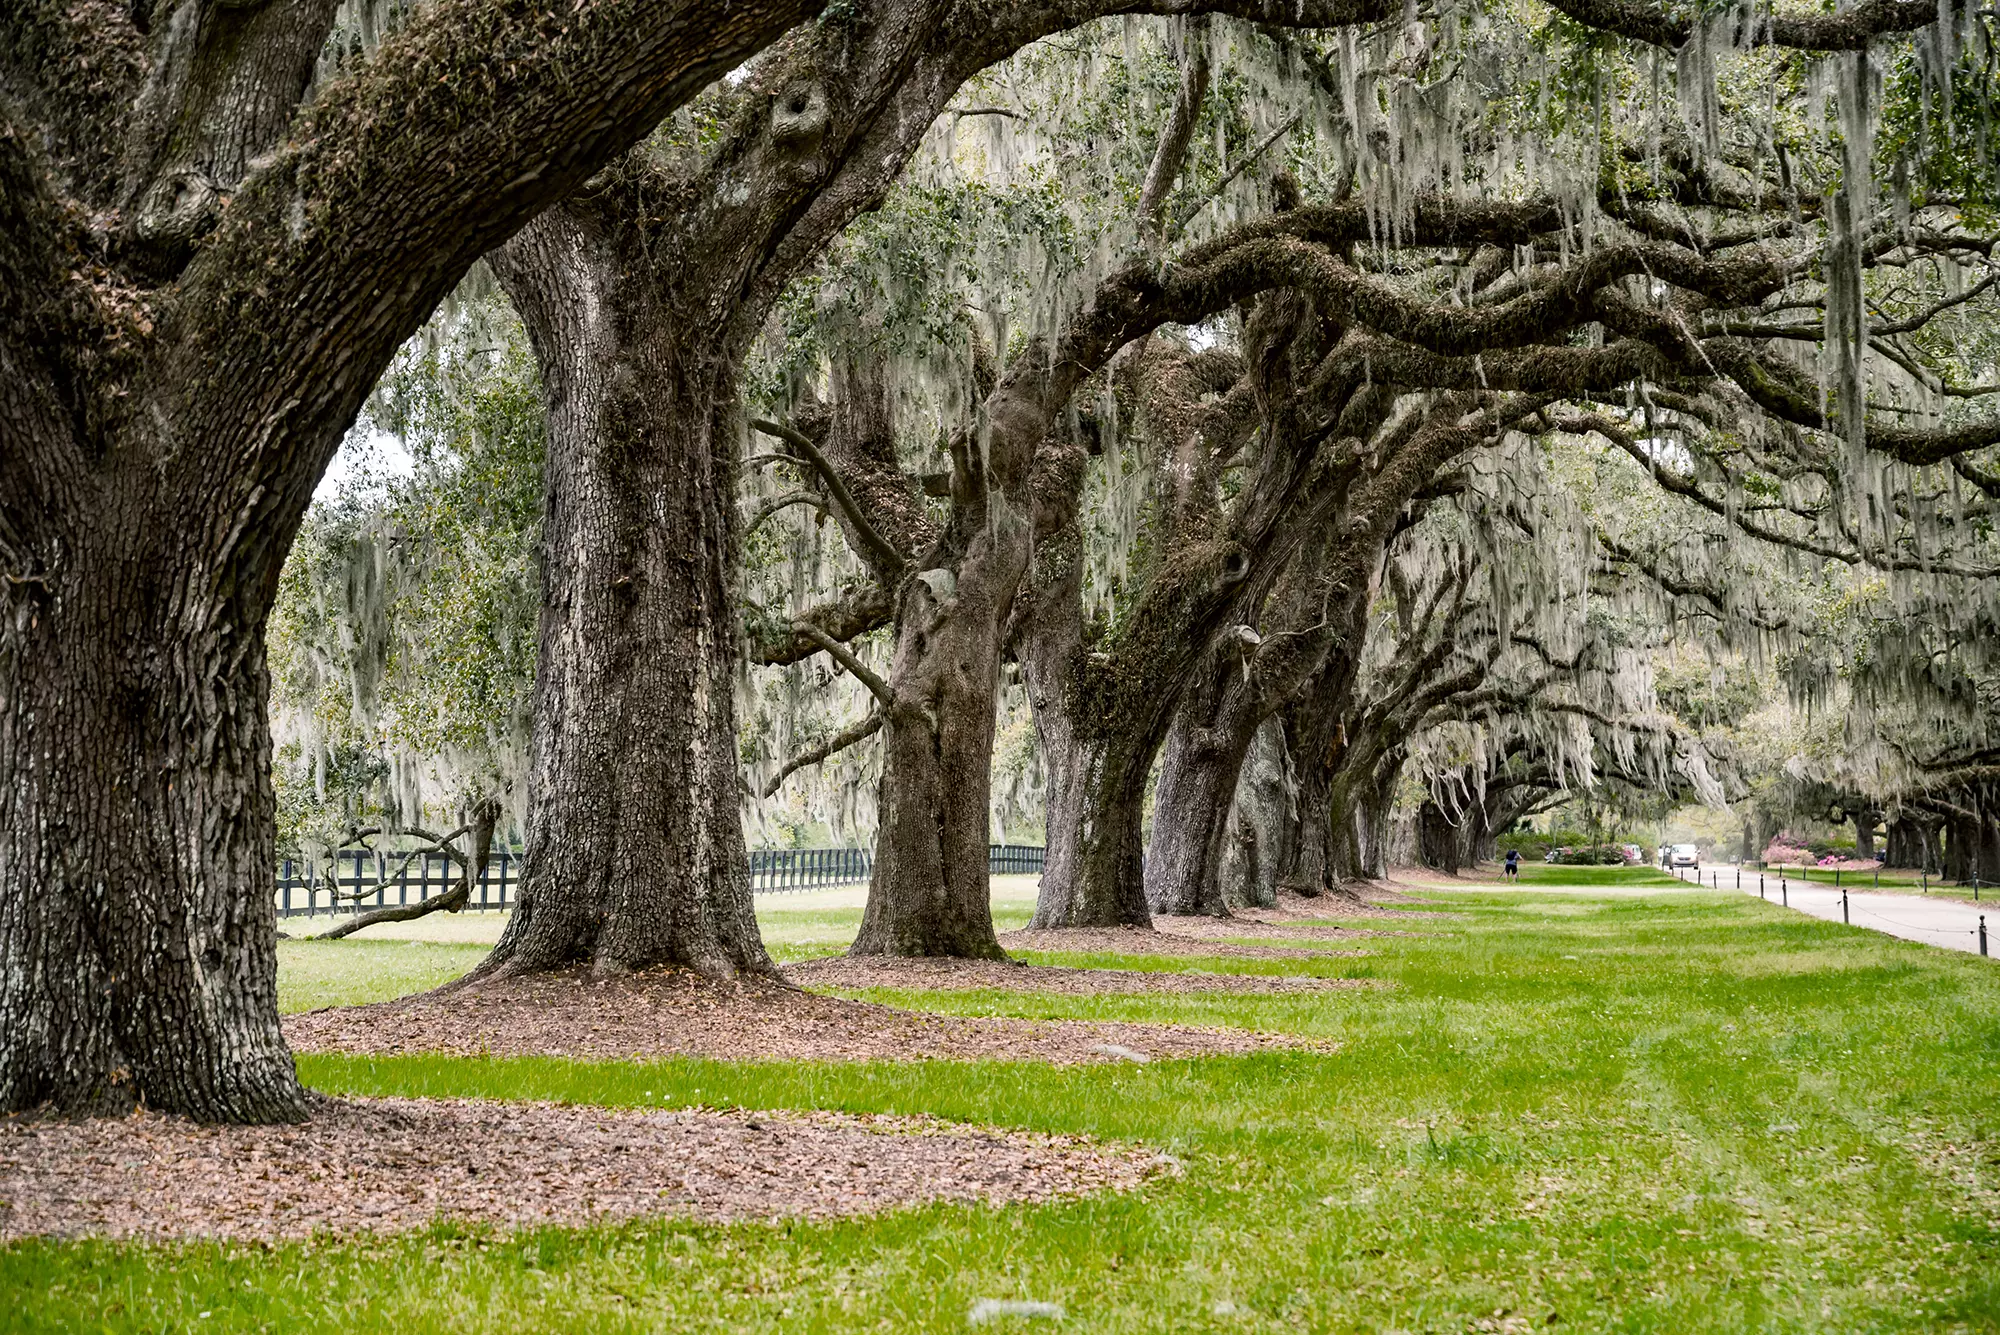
<point x="1541" y="873"/>
<point x="1682" y="1112"/>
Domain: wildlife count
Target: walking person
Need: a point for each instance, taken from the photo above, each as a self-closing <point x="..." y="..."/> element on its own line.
<point x="1513" y="864"/>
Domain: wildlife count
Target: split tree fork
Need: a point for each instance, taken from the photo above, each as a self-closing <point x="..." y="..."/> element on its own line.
<point x="174" y="377"/>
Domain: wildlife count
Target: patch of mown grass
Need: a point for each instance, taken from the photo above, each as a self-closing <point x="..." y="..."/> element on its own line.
<point x="1688" y="1112"/>
<point x="354" y="971"/>
<point x="1541" y="873"/>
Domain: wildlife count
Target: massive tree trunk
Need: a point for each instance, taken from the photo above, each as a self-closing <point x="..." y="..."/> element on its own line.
<point x="171" y="389"/>
<point x="1263" y="822"/>
<point x="1200" y="766"/>
<point x="1441" y="838"/>
<point x="1360" y="842"/>
<point x="929" y="893"/>
<point x="137" y="923"/>
<point x="1864" y="833"/>
<point x="1093" y="874"/>
<point x="635" y="835"/>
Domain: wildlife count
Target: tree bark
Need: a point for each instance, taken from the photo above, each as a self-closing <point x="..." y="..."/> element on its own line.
<point x="137" y="923"/>
<point x="1440" y="840"/>
<point x="1200" y="767"/>
<point x="170" y="391"/>
<point x="635" y="838"/>
<point x="929" y="893"/>
<point x="1262" y="823"/>
<point x="1093" y="871"/>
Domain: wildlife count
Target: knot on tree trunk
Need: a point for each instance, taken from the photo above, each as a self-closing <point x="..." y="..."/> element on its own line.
<point x="174" y="213"/>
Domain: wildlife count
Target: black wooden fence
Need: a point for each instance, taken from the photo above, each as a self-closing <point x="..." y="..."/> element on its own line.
<point x="362" y="879"/>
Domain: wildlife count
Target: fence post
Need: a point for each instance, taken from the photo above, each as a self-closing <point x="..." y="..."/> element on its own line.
<point x="1843" y="903"/>
<point x="1982" y="934"/>
<point x="1760" y="888"/>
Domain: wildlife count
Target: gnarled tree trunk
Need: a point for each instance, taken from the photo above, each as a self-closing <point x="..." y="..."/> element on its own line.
<point x="635" y="836"/>
<point x="137" y="924"/>
<point x="174" y="376"/>
<point x="1199" y="769"/>
<point x="929" y="892"/>
<point x="1093" y="874"/>
<point x="1257" y="843"/>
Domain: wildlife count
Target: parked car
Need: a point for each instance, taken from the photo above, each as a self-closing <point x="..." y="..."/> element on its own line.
<point x="1634" y="855"/>
<point x="1687" y="855"/>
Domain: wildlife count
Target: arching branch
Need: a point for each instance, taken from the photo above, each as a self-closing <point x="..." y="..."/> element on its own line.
<point x="842" y="655"/>
<point x="832" y="746"/>
<point x="878" y="550"/>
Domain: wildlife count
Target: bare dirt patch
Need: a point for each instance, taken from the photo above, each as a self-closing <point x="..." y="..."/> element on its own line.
<point x="389" y="1165"/>
<point x="678" y="1013"/>
<point x="947" y="975"/>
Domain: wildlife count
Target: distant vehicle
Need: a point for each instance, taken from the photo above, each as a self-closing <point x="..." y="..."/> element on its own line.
<point x="1634" y="855"/>
<point x="1686" y="855"/>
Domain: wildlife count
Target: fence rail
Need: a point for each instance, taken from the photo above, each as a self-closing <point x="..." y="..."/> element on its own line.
<point x="363" y="879"/>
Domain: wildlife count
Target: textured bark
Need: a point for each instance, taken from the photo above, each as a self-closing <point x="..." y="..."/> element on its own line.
<point x="1263" y="821"/>
<point x="1093" y="871"/>
<point x="635" y="841"/>
<point x="137" y="928"/>
<point x="813" y="136"/>
<point x="159" y="444"/>
<point x="1308" y="852"/>
<point x="929" y="892"/>
<point x="1200" y="766"/>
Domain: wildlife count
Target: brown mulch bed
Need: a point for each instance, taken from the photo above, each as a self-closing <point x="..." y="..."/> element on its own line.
<point x="947" y="975"/>
<point x="387" y="1165"/>
<point x="1167" y="939"/>
<point x="677" y="1013"/>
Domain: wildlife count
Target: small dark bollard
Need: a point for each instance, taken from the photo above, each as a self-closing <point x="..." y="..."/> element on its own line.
<point x="1843" y="906"/>
<point x="1760" y="887"/>
<point x="1982" y="934"/>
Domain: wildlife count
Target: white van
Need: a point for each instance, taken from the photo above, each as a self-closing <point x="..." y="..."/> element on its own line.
<point x="1686" y="855"/>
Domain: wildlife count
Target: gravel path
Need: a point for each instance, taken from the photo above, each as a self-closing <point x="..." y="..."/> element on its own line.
<point x="675" y="1012"/>
<point x="389" y="1165"/>
<point x="946" y="975"/>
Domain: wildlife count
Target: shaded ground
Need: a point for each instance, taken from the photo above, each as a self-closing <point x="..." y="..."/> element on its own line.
<point x="1199" y="940"/>
<point x="966" y="975"/>
<point x="1671" y="1111"/>
<point x="390" y="1165"/>
<point x="674" y="1012"/>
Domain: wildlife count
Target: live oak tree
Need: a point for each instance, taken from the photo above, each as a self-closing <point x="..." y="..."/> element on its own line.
<point x="206" y="262"/>
<point x="1502" y="310"/>
<point x="644" y="293"/>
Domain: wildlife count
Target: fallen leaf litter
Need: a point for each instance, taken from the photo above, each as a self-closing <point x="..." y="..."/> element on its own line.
<point x="391" y="1165"/>
<point x="946" y="975"/>
<point x="675" y="1012"/>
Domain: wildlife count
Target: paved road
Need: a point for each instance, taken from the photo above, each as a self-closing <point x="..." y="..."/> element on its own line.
<point x="1935" y="922"/>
